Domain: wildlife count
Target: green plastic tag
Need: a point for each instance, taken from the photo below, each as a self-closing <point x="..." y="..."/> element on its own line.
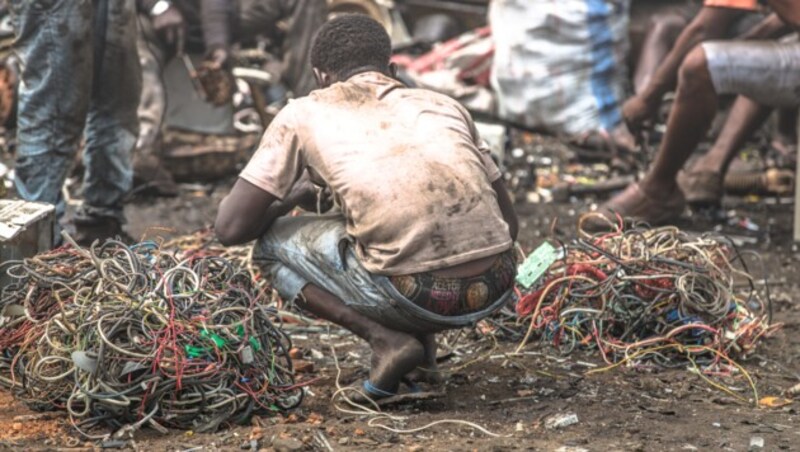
<point x="536" y="264"/>
<point x="195" y="352"/>
<point x="218" y="340"/>
<point x="253" y="341"/>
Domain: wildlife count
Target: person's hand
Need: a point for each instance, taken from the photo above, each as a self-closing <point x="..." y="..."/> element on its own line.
<point x="308" y="196"/>
<point x="218" y="59"/>
<point x="172" y="27"/>
<point x="638" y="114"/>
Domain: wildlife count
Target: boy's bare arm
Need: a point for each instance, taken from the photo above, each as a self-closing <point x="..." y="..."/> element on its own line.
<point x="248" y="211"/>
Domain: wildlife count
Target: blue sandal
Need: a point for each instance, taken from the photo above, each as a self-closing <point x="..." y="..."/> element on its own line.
<point x="376" y="393"/>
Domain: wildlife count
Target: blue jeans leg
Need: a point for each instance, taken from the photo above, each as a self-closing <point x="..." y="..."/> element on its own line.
<point x="112" y="127"/>
<point x="54" y="45"/>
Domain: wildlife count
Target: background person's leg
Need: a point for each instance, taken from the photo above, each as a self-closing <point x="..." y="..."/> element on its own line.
<point x="307" y="16"/>
<point x="657" y="198"/>
<point x="153" y="100"/>
<point x="691" y="116"/>
<point x="785" y="139"/>
<point x="148" y="170"/>
<point x="54" y="44"/>
<point x="665" y="29"/>
<point x="765" y="75"/>
<point x="702" y="184"/>
<point x="112" y="127"/>
<point x="745" y="118"/>
<point x="303" y="19"/>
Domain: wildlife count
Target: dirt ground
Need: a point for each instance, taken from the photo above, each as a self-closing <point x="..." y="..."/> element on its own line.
<point x="512" y="397"/>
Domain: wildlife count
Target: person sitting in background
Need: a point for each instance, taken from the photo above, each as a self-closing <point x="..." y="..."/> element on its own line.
<point x="703" y="183"/>
<point x="765" y="72"/>
<point x="211" y="28"/>
<point x="423" y="241"/>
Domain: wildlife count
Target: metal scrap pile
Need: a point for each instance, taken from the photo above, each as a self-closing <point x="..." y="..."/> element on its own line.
<point x="130" y="336"/>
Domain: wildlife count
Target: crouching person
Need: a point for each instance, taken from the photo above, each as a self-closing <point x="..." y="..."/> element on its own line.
<point x="422" y="237"/>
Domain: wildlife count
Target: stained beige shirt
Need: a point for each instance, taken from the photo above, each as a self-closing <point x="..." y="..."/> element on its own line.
<point x="405" y="166"/>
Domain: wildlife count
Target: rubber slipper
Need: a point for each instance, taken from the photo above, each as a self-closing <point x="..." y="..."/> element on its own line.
<point x="374" y="392"/>
<point x="369" y="392"/>
<point x="414" y="394"/>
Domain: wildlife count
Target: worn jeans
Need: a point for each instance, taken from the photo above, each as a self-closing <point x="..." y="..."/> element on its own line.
<point x="311" y="249"/>
<point x="80" y="74"/>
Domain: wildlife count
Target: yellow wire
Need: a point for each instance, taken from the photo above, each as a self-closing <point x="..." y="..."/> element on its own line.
<point x="689" y="350"/>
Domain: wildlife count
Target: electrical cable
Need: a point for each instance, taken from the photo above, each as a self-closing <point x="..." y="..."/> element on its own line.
<point x="650" y="296"/>
<point x="124" y="336"/>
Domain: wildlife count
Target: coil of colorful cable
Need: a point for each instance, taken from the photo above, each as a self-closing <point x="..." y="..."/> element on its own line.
<point x="650" y="296"/>
<point x="124" y="336"/>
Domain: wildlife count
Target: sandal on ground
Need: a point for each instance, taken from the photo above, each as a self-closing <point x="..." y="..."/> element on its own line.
<point x="380" y="398"/>
<point x="369" y="392"/>
<point x="374" y="392"/>
<point x="633" y="203"/>
<point x="701" y="187"/>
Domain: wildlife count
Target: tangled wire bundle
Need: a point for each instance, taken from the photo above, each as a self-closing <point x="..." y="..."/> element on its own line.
<point x="127" y="336"/>
<point x="646" y="295"/>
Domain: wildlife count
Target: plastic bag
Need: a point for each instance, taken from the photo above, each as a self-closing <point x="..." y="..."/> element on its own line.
<point x="561" y="65"/>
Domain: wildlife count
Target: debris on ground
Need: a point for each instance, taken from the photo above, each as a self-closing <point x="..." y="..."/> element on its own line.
<point x="756" y="443"/>
<point x="560" y="421"/>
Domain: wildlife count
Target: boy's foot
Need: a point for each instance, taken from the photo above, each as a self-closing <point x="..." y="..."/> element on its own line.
<point x="394" y="355"/>
<point x="428" y="371"/>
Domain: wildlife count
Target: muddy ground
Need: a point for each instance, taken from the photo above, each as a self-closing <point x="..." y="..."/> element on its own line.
<point x="622" y="409"/>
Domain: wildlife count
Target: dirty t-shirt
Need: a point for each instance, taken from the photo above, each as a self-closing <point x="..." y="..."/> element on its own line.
<point x="405" y="166"/>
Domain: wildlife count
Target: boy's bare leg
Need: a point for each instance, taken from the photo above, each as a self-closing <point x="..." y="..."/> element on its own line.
<point x="394" y="354"/>
<point x="428" y="371"/>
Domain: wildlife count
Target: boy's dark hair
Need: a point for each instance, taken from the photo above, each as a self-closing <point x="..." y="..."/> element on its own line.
<point x="351" y="42"/>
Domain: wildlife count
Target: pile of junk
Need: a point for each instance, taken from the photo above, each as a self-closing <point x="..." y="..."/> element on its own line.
<point x="545" y="89"/>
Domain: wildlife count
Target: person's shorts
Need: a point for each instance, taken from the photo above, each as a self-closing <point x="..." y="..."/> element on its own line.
<point x="297" y="251"/>
<point x="768" y="72"/>
<point x="750" y="5"/>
